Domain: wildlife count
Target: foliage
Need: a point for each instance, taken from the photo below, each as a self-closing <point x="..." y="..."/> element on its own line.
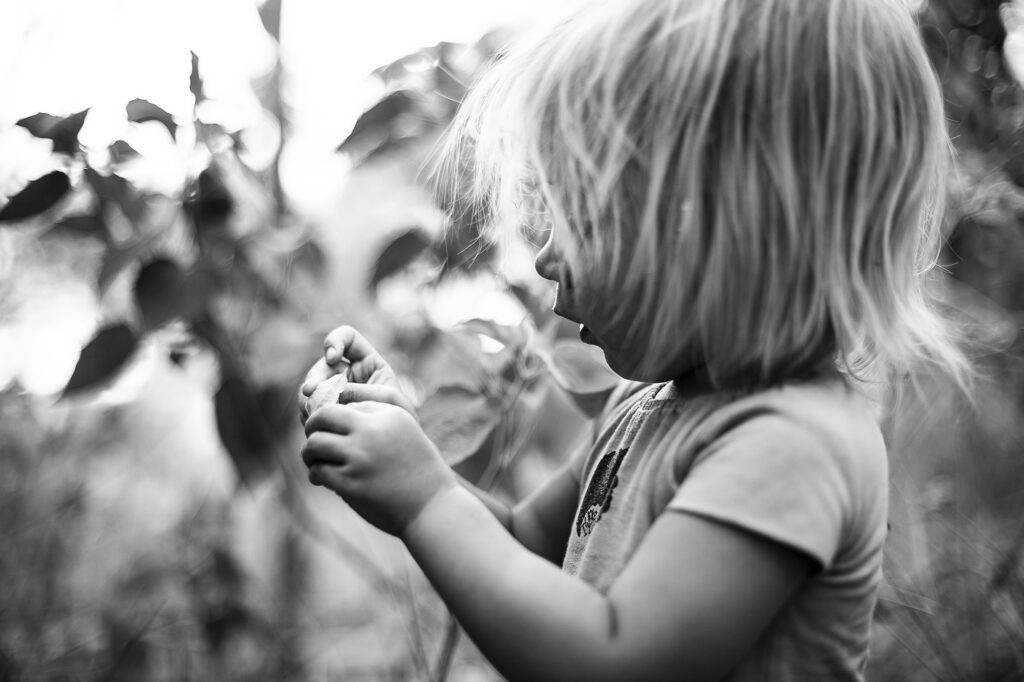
<point x="189" y="262"/>
<point x="213" y="268"/>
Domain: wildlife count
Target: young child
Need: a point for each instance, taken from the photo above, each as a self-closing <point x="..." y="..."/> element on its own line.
<point x="741" y="197"/>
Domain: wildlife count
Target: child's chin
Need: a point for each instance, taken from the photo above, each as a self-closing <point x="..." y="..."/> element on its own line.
<point x="634" y="369"/>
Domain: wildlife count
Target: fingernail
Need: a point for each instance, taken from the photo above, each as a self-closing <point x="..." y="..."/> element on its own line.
<point x="331" y="354"/>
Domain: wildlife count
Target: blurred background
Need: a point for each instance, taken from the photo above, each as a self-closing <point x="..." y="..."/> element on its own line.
<point x="196" y="192"/>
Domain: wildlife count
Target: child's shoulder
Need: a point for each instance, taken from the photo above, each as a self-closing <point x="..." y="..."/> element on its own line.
<point x="826" y="419"/>
<point x="827" y="414"/>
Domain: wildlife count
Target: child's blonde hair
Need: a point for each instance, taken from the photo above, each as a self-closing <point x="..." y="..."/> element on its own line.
<point x="763" y="177"/>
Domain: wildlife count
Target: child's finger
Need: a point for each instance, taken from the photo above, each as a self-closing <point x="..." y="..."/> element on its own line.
<point x="337" y="419"/>
<point x="324" y="447"/>
<point x="320" y="371"/>
<point x="353" y="394"/>
<point x="345" y="342"/>
<point x="328" y="475"/>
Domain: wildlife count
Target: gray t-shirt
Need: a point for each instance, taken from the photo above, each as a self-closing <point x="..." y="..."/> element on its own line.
<point x="803" y="465"/>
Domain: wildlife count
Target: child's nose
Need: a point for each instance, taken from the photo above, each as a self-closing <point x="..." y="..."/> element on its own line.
<point x="548" y="262"/>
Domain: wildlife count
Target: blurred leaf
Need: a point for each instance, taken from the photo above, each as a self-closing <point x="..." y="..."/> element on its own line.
<point x="582" y="372"/>
<point x="209" y="203"/>
<point x="111" y="187"/>
<point x="449" y="83"/>
<point x="140" y="111"/>
<point x="115" y="188"/>
<point x="195" y="81"/>
<point x="102" y="357"/>
<point x="533" y="305"/>
<point x="158" y="286"/>
<point x="373" y="128"/>
<point x="514" y="337"/>
<point x="415" y="62"/>
<point x="164" y="291"/>
<point x="121" y="151"/>
<point x="221" y="621"/>
<point x="309" y="256"/>
<point x="458" y="421"/>
<point x="81" y="226"/>
<point x="117" y="258"/>
<point x="277" y="405"/>
<point x="398" y="254"/>
<point x="243" y="430"/>
<point x="38" y="196"/>
<point x="63" y="131"/>
<point x="270" y="15"/>
<point x="448" y="358"/>
<point x="39" y="124"/>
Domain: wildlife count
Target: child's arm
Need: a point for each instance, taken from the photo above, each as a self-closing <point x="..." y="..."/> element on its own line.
<point x="691" y="602"/>
<point x="540" y="522"/>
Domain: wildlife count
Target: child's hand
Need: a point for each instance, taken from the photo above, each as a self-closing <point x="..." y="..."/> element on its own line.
<point x="376" y="457"/>
<point x="370" y="377"/>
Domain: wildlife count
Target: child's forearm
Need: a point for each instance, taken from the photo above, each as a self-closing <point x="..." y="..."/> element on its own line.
<point x="538" y="522"/>
<point x="501" y="511"/>
<point x="532" y="621"/>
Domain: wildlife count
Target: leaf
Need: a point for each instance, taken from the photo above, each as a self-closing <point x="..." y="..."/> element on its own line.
<point x="210" y="203"/>
<point x="38" y="196"/>
<point x="415" y="62"/>
<point x="537" y="309"/>
<point x="39" y="124"/>
<point x="458" y="421"/>
<point x="115" y="188"/>
<point x="373" y="127"/>
<point x="195" y="81"/>
<point x="81" y="226"/>
<point x="399" y="254"/>
<point x="582" y="372"/>
<point x="309" y="257"/>
<point x="580" y="368"/>
<point x="102" y="358"/>
<point x="141" y="110"/>
<point x="514" y="337"/>
<point x="164" y="291"/>
<point x="62" y="131"/>
<point x="117" y="258"/>
<point x="121" y="151"/>
<point x="243" y="430"/>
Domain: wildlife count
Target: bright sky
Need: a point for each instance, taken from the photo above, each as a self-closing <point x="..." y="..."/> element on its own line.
<point x="61" y="56"/>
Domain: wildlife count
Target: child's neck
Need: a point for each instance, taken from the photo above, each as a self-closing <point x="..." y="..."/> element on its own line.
<point x="694" y="382"/>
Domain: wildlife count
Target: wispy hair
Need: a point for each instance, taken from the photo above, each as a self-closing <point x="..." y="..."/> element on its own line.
<point x="760" y="179"/>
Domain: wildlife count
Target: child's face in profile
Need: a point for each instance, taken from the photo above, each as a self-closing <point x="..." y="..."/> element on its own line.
<point x="584" y="298"/>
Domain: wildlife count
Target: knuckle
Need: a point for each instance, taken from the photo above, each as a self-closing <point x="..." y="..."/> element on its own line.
<point x="316" y="442"/>
<point x="307" y="454"/>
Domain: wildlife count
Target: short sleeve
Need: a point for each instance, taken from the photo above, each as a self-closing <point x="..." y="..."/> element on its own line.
<point x="775" y="477"/>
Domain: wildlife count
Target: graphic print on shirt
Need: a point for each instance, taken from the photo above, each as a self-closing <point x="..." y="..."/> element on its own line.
<point x="598" y="498"/>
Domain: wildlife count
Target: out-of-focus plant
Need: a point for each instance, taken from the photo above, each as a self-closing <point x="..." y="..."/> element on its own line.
<point x="951" y="608"/>
<point x="206" y="269"/>
<point x="198" y="257"/>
